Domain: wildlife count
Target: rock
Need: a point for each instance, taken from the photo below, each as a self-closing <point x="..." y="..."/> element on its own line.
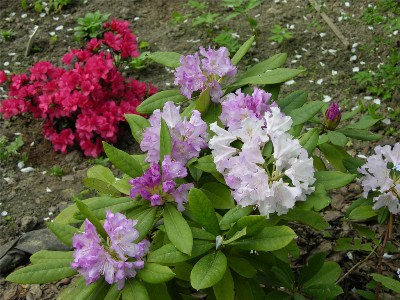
<point x="68" y="177"/>
<point x="332" y="215"/>
<point x="67" y="194"/>
<point x="53" y="209"/>
<point x="9" y="293"/>
<point x="42" y="239"/>
<point x="73" y="156"/>
<point x="11" y="260"/>
<point x="337" y="201"/>
<point x="35" y="292"/>
<point x="28" y="223"/>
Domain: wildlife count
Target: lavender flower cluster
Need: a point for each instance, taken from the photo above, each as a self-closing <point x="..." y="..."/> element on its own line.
<point x="382" y="173"/>
<point x="254" y="123"/>
<point x="118" y="259"/>
<point x="195" y="75"/>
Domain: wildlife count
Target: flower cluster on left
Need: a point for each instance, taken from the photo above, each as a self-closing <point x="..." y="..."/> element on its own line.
<point x="84" y="102"/>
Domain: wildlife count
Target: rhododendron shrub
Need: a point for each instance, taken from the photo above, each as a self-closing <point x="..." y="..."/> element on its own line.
<point x="223" y="178"/>
<point x="84" y="101"/>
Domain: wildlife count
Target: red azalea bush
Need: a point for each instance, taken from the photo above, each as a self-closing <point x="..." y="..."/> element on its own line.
<point x="85" y="101"/>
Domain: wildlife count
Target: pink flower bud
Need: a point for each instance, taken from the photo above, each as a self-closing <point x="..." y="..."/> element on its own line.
<point x="332" y="116"/>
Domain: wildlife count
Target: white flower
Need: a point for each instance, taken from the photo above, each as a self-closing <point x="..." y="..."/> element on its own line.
<point x="285" y="148"/>
<point x="277" y="122"/>
<point x="389" y="200"/>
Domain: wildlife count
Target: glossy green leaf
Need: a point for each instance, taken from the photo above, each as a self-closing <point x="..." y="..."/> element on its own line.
<point x="252" y="223"/>
<point x="87" y="213"/>
<point x="335" y="155"/>
<point x="318" y="200"/>
<point x="242" y="266"/>
<point x="203" y="211"/>
<point x="208" y="271"/>
<point x="352" y="164"/>
<point x="158" y="100"/>
<point x="306" y="112"/>
<point x="270" y="77"/>
<point x="307" y="217"/>
<point x="333" y="179"/>
<point x="309" y="140"/>
<point x="101" y="173"/>
<point x="177" y="229"/>
<point x="45" y="256"/>
<point x="155" y="273"/>
<point x="146" y="221"/>
<point x="134" y="290"/>
<point x="314" y="264"/>
<point x="157" y="291"/>
<point x="206" y="164"/>
<point x="63" y="232"/>
<point x="242" y="51"/>
<point x="360" y="134"/>
<point x="364" y="123"/>
<point x="362" y="213"/>
<point x="123" y="161"/>
<point x="292" y="101"/>
<point x="233" y="215"/>
<point x="204" y="101"/>
<point x="224" y="289"/>
<point x="219" y="194"/>
<point x="323" y="291"/>
<point x="328" y="274"/>
<point x="101" y="187"/>
<point x="113" y="293"/>
<point x="137" y="124"/>
<point x="201" y="234"/>
<point x="42" y="273"/>
<point x="337" y="138"/>
<point x="169" y="59"/>
<point x="168" y="254"/>
<point x="269" y="64"/>
<point x="387" y="282"/>
<point x="236" y="236"/>
<point x="165" y="140"/>
<point x="269" y="239"/>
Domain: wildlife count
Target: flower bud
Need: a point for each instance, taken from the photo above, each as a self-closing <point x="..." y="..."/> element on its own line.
<point x="332" y="116"/>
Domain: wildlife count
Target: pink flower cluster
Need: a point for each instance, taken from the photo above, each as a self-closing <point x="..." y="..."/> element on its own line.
<point x="84" y="102"/>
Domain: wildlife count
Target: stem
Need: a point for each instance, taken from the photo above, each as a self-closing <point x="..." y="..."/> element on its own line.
<point x="354" y="267"/>
<point x="388" y="234"/>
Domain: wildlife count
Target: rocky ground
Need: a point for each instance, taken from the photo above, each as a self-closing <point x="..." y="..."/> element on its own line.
<point x="29" y="199"/>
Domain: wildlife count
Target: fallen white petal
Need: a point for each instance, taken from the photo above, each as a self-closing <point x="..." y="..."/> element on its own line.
<point x="27" y="170"/>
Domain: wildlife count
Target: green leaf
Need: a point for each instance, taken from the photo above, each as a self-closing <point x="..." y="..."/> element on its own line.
<point x="42" y="273"/>
<point x="101" y="173"/>
<point x="269" y="239"/>
<point x="362" y="213"/>
<point x="328" y="274"/>
<point x="360" y="134"/>
<point x="314" y="264"/>
<point x="271" y="77"/>
<point x="292" y="101"/>
<point x="337" y="138"/>
<point x="158" y="100"/>
<point x="269" y="64"/>
<point x="233" y="215"/>
<point x="73" y="290"/>
<point x="99" y="205"/>
<point x="387" y="282"/>
<point x="63" y="232"/>
<point x="123" y="161"/>
<point x="242" y="266"/>
<point x="306" y="112"/>
<point x="45" y="256"/>
<point x="178" y="230"/>
<point x="208" y="271"/>
<point x="137" y="124"/>
<point x="165" y="140"/>
<point x="352" y="164"/>
<point x="219" y="194"/>
<point x="335" y="155"/>
<point x="157" y="291"/>
<point x="206" y="164"/>
<point x="101" y="187"/>
<point x="203" y="211"/>
<point x="204" y="101"/>
<point x="134" y="290"/>
<point x="224" y="289"/>
<point x="307" y="217"/>
<point x="309" y="140"/>
<point x="201" y="234"/>
<point x="253" y="225"/>
<point x="87" y="213"/>
<point x="248" y="289"/>
<point x="113" y="293"/>
<point x="318" y="163"/>
<point x="168" y="254"/>
<point x="364" y="123"/>
<point x="155" y="273"/>
<point x="145" y="222"/>
<point x="318" y="200"/>
<point x="242" y="51"/>
<point x="333" y="179"/>
<point x="235" y="237"/>
<point x="189" y="109"/>
<point x="284" y="276"/>
<point x="169" y="59"/>
<point x="323" y="291"/>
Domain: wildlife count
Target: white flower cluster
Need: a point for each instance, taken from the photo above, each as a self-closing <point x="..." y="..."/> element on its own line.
<point x="382" y="173"/>
<point x="273" y="184"/>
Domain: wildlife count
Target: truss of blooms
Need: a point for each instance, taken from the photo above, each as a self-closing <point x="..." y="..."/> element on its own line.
<point x="188" y="136"/>
<point x="382" y="174"/>
<point x="84" y="102"/>
<point x="198" y="75"/>
<point x="158" y="186"/>
<point x="118" y="259"/>
<point x="273" y="183"/>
